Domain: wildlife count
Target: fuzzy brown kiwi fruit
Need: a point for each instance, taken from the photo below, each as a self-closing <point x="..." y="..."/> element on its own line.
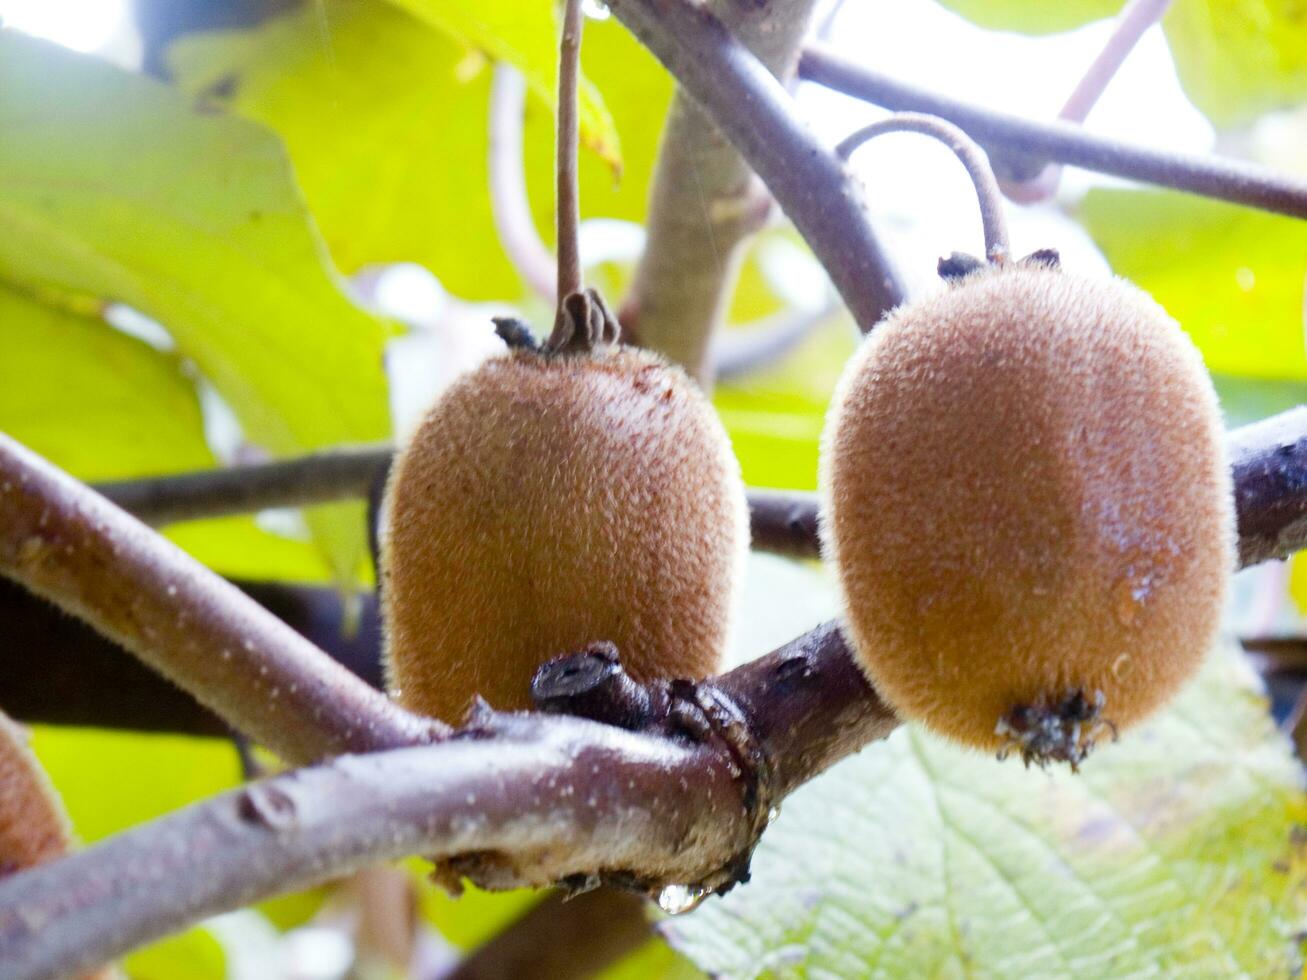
<point x="1028" y="503"/>
<point x="33" y="826"/>
<point x="559" y="497"/>
<point x="550" y="501"/>
<point x="1026" y="498"/>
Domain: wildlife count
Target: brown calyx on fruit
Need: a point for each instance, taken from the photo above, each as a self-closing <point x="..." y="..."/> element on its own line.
<point x="1026" y="496"/>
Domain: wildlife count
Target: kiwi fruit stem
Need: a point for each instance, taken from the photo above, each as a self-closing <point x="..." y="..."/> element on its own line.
<point x="967" y="150"/>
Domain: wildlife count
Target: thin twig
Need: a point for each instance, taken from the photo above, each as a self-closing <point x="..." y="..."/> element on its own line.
<point x="568" y="199"/>
<point x="1224" y="179"/>
<point x="509" y="203"/>
<point x="1136" y="17"/>
<point x="965" y="148"/>
<point x="746" y="349"/>
<point x="318" y="478"/>
<point x="341" y="474"/>
<point x="754" y="111"/>
<point x="64" y="542"/>
<point x="1269" y="459"/>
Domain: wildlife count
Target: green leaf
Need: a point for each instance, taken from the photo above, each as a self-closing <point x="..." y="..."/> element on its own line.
<point x="1033" y="16"/>
<point x="112" y="780"/>
<point x="193" y="954"/>
<point x="112" y="186"/>
<point x="386" y="122"/>
<point x="1176" y="852"/>
<point x="106" y="406"/>
<point x="94" y="401"/>
<point x="523" y="33"/>
<point x="1239" y="58"/>
<point x="1232" y="276"/>
<point x="1235" y="58"/>
<point x="775" y="417"/>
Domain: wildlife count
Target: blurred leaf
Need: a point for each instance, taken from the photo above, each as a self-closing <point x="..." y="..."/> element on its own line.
<point x="112" y="187"/>
<point x="1177" y="852"/>
<point x="1239" y="58"/>
<point x="1033" y="16"/>
<point x="190" y="955"/>
<point x="1235" y="58"/>
<point x="1232" y="276"/>
<point x="775" y="417"/>
<point x="238" y="548"/>
<point x="113" y="780"/>
<point x="386" y="122"/>
<point x="473" y="917"/>
<point x="655" y="960"/>
<point x="1246" y="400"/>
<point x="105" y="406"/>
<point x="94" y="401"/>
<point x="523" y="33"/>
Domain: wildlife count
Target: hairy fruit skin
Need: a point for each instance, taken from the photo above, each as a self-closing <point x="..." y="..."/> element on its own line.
<point x="549" y="502"/>
<point x="1026" y="496"/>
<point x="33" y="826"/>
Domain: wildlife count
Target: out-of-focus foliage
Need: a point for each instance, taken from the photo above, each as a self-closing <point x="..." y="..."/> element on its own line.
<point x="524" y="34"/>
<point x="386" y="119"/>
<point x="114" y="187"/>
<point x="1235" y="58"/>
<point x="1178" y="850"/>
<point x="1232" y="276"/>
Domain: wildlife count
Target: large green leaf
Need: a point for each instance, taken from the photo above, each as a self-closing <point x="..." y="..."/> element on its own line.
<point x="1177" y="852"/>
<point x="386" y="121"/>
<point x="1232" y="276"/>
<point x="98" y="403"/>
<point x="106" y="406"/>
<point x="1235" y="58"/>
<point x="112" y="186"/>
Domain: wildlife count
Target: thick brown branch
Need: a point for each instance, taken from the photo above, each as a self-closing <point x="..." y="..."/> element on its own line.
<point x="530" y="799"/>
<point x="705" y="202"/>
<point x="1227" y="180"/>
<point x="514" y="800"/>
<point x="64" y="542"/>
<point x="753" y="111"/>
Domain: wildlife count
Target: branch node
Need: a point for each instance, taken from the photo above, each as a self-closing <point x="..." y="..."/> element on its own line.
<point x="592" y="684"/>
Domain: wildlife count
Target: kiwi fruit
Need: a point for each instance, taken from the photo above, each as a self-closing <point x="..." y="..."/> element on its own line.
<point x="1027" y="502"/>
<point x="33" y="826"/>
<point x="551" y="500"/>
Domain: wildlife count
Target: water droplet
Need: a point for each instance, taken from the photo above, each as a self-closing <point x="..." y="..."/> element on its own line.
<point x="1122" y="666"/>
<point x="675" y="899"/>
<point x="595" y="9"/>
